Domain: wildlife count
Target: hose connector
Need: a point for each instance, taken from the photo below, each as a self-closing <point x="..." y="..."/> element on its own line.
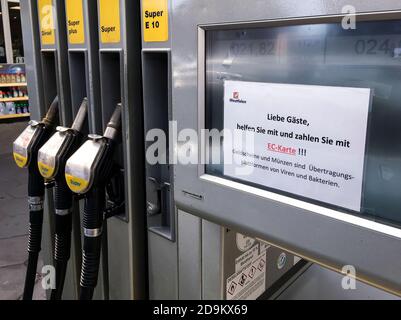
<point x="51" y="118"/>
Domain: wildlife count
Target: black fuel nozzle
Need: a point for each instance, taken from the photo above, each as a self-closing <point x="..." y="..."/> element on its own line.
<point x="52" y="159"/>
<point x="25" y="150"/>
<point x="95" y="202"/>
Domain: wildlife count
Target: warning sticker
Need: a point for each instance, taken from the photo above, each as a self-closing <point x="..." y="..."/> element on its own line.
<point x="75" y="21"/>
<point x="46" y="21"/>
<point x="155" y="20"/>
<point x="250" y="282"/>
<point x="109" y="11"/>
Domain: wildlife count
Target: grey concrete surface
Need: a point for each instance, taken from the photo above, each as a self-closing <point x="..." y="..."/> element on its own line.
<point x="13" y="220"/>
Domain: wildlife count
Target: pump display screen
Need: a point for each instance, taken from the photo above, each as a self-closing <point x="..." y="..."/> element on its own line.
<point x="311" y="111"/>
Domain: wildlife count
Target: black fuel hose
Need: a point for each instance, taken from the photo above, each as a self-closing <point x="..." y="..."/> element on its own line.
<point x="62" y="238"/>
<point x="92" y="223"/>
<point x="36" y="191"/>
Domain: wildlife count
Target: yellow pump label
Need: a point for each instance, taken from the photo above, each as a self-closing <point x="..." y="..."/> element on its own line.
<point x="75" y="22"/>
<point x="46" y="21"/>
<point x="20" y="160"/>
<point x="76" y="184"/>
<point x="109" y="22"/>
<point x="46" y="171"/>
<point x="155" y="20"/>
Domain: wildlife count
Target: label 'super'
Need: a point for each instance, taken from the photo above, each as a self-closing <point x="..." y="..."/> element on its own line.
<point x="109" y="22"/>
<point x="155" y="20"/>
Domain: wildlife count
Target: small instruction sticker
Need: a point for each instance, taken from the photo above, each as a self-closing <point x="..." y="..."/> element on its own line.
<point x="155" y="20"/>
<point x="109" y="28"/>
<point x="46" y="22"/>
<point x="250" y="282"/>
<point x="75" y="21"/>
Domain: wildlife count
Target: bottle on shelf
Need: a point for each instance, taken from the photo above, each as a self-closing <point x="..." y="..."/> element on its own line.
<point x="3" y="109"/>
<point x="10" y="107"/>
<point x="25" y="107"/>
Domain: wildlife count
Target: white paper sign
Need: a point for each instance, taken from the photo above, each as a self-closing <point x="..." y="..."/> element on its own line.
<point x="308" y="140"/>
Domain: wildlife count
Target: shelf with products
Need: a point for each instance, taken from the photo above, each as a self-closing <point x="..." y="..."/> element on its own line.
<point x="14" y="84"/>
<point x="14" y="109"/>
<point x="16" y="99"/>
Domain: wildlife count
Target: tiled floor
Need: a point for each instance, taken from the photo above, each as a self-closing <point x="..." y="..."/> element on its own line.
<point x="13" y="219"/>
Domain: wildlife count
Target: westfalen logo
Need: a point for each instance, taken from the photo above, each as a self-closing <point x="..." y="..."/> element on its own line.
<point x="236" y="98"/>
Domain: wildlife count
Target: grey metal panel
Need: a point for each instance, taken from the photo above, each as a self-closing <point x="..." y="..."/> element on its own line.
<point x="64" y="90"/>
<point x="212" y="262"/>
<point x="330" y="241"/>
<point x="126" y="234"/>
<point x="162" y="253"/>
<point x="163" y="268"/>
<point x="189" y="257"/>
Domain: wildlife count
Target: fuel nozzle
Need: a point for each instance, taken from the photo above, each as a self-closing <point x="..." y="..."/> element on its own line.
<point x="51" y="118"/>
<point x="87" y="172"/>
<point x="52" y="158"/>
<point x="113" y="127"/>
<point x="25" y="151"/>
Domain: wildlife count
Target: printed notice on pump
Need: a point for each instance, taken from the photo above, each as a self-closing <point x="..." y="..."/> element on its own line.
<point x="302" y="139"/>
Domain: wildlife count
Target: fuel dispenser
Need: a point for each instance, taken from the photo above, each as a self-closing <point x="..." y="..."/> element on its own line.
<point x="120" y="82"/>
<point x="191" y="256"/>
<point x="311" y="86"/>
<point x="88" y="172"/>
<point x="81" y="23"/>
<point x="92" y="49"/>
<point x="52" y="158"/>
<point x="25" y="150"/>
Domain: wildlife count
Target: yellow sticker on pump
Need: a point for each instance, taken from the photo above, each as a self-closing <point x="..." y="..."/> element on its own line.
<point x="109" y="22"/>
<point x="46" y="22"/>
<point x="76" y="184"/>
<point x="75" y="22"/>
<point x="20" y="160"/>
<point x="46" y="171"/>
<point x="155" y="20"/>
